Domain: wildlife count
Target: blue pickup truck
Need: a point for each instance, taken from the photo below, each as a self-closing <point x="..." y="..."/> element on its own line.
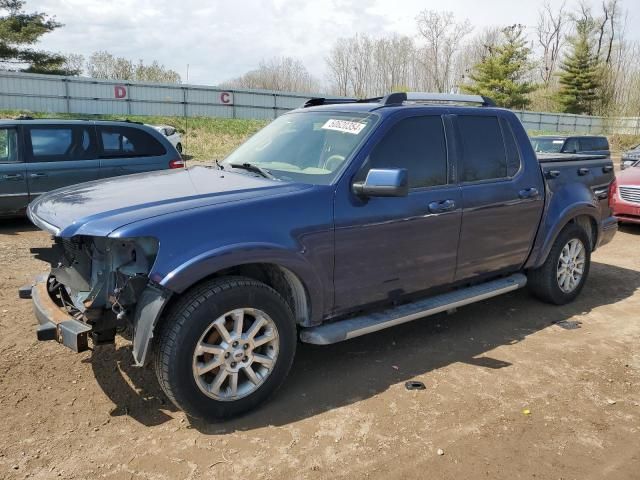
<point x="341" y="218"/>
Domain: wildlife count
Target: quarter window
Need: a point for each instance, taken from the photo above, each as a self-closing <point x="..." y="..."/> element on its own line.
<point x="483" y="149"/>
<point x="128" y="142"/>
<point x="8" y="145"/>
<point x="67" y="142"/>
<point x="513" y="155"/>
<point x="417" y="144"/>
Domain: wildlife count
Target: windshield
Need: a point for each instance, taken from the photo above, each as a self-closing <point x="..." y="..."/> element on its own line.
<point x="547" y="145"/>
<point x="308" y="147"/>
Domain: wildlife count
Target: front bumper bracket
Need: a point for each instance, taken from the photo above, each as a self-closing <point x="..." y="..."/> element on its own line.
<point x="55" y="324"/>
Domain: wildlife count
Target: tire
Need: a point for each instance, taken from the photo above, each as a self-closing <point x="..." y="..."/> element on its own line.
<point x="546" y="282"/>
<point x="179" y="148"/>
<point x="197" y="321"/>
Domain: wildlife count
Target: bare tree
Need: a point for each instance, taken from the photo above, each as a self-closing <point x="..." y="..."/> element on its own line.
<point x="284" y="74"/>
<point x="104" y="65"/>
<point x="550" y="31"/>
<point x="74" y="62"/>
<point x="339" y="65"/>
<point x="443" y="37"/>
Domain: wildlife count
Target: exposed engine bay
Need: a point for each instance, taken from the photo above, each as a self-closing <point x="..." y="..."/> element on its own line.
<point x="99" y="280"/>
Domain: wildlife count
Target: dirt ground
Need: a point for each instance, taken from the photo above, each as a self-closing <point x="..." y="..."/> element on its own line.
<point x="515" y="389"/>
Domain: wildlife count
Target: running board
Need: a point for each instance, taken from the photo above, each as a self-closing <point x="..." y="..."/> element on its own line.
<point x="355" y="327"/>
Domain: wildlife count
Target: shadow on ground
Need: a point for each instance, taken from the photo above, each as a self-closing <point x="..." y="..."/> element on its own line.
<point x="326" y="377"/>
<point x="14" y="226"/>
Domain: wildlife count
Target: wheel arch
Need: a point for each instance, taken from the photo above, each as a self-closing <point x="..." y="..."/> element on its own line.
<point x="584" y="215"/>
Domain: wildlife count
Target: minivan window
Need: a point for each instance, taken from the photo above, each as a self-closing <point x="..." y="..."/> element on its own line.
<point x="417" y="144"/>
<point x="483" y="152"/>
<point x="61" y="143"/>
<point x="8" y="145"/>
<point x="128" y="142"/>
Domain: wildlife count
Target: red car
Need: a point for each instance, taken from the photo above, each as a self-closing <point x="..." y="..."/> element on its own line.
<point x="624" y="195"/>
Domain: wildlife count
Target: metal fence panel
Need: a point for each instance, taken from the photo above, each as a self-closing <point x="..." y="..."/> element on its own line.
<point x="51" y="93"/>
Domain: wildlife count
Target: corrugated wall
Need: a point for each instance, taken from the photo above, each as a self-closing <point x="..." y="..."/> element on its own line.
<point x="49" y="93"/>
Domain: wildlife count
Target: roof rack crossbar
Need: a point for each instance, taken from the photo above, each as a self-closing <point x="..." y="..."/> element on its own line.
<point x="420" y="97"/>
<point x="312" y="102"/>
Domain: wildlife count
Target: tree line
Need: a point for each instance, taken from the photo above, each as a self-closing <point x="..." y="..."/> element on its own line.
<point x="574" y="60"/>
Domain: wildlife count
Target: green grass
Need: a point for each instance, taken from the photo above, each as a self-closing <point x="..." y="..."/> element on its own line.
<point x="204" y="139"/>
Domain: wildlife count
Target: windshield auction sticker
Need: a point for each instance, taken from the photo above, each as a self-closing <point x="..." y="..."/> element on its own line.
<point x="344" y="126"/>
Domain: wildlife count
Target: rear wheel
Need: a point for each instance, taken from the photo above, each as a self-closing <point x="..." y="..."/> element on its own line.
<point x="561" y="278"/>
<point x="225" y="347"/>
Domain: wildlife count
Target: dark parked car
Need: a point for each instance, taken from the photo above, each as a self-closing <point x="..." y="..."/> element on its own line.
<point x="37" y="156"/>
<point x="630" y="157"/>
<point x="336" y="220"/>
<point x="582" y="144"/>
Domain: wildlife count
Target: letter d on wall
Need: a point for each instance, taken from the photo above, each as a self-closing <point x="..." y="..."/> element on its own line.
<point x="120" y="91"/>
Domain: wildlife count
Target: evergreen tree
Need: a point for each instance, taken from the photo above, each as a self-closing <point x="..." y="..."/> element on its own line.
<point x="502" y="74"/>
<point x="18" y="31"/>
<point x="580" y="76"/>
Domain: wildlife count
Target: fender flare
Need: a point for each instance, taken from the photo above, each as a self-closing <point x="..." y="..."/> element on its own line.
<point x="544" y="243"/>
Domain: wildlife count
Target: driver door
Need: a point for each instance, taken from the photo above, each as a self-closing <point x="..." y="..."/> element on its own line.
<point x="388" y="247"/>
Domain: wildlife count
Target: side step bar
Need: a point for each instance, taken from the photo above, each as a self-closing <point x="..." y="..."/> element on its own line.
<point x="355" y="327"/>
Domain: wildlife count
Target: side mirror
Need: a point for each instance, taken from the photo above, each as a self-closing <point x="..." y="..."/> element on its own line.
<point x="392" y="182"/>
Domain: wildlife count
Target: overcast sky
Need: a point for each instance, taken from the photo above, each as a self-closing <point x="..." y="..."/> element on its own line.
<point x="220" y="40"/>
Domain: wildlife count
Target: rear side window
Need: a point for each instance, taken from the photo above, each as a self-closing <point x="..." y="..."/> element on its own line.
<point x="128" y="142"/>
<point x="513" y="154"/>
<point x="594" y="144"/>
<point x="571" y="146"/>
<point x="62" y="143"/>
<point x="417" y="144"/>
<point x="483" y="148"/>
<point x="8" y="145"/>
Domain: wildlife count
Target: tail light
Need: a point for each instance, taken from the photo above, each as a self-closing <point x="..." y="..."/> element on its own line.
<point x="613" y="190"/>
<point x="177" y="163"/>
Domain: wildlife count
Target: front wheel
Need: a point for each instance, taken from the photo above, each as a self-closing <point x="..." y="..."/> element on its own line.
<point x="225" y="347"/>
<point x="561" y="278"/>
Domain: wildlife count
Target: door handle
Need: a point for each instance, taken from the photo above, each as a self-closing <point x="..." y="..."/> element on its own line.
<point x="442" y="206"/>
<point x="12" y="176"/>
<point x="528" y="193"/>
<point x="37" y="175"/>
<point x="552" y="173"/>
<point x="583" y="171"/>
<point x="607" y="168"/>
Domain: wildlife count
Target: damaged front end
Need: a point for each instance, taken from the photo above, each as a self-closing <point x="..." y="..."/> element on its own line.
<point x="98" y="286"/>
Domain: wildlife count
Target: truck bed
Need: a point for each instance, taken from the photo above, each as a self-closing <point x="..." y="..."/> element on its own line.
<point x="596" y="171"/>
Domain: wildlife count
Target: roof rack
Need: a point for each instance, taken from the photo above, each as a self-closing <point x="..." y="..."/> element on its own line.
<point x="399" y="98"/>
<point x="421" y="97"/>
<point x="313" y="102"/>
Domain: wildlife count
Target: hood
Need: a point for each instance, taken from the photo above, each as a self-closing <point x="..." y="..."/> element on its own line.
<point x="628" y="176"/>
<point x="100" y="207"/>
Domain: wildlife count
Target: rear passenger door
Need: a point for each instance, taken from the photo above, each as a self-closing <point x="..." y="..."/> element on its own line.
<point x="502" y="197"/>
<point x="125" y="150"/>
<point x="59" y="155"/>
<point x="14" y="193"/>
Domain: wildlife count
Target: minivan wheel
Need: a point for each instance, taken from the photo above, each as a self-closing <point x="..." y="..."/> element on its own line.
<point x="561" y="278"/>
<point x="225" y="347"/>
